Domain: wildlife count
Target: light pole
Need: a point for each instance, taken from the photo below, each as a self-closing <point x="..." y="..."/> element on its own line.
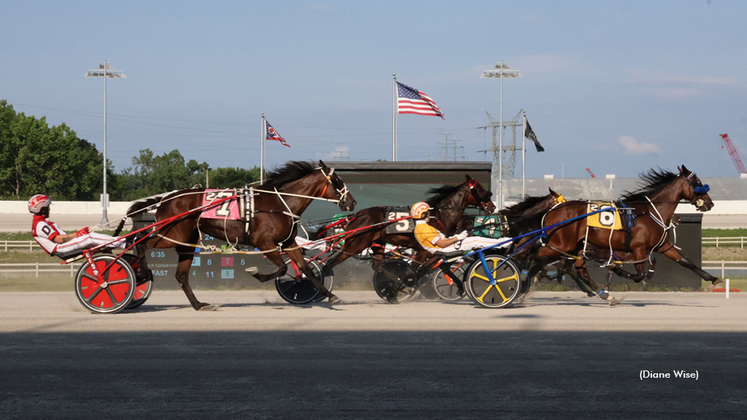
<point x="106" y="71"/>
<point x="501" y="71"/>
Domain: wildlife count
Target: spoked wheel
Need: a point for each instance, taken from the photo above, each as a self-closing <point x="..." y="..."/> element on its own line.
<point x="445" y="287"/>
<point x="505" y="287"/>
<point x="144" y="286"/>
<point x="113" y="292"/>
<point x="395" y="281"/>
<point x="328" y="281"/>
<point x="425" y="287"/>
<point x="294" y="287"/>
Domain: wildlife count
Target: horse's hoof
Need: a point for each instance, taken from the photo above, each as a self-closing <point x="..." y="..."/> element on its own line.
<point x="252" y="270"/>
<point x="613" y="301"/>
<point x="209" y="307"/>
<point x="334" y="299"/>
<point x="717" y="282"/>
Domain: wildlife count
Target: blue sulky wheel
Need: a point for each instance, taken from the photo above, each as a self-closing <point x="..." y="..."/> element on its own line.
<point x="294" y="287"/>
<point x="502" y="291"/>
<point x="109" y="293"/>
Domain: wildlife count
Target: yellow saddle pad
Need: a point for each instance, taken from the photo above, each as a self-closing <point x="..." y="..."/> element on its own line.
<point x="607" y="219"/>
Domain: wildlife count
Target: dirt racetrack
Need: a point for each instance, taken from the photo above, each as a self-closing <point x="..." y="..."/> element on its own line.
<point x="559" y="356"/>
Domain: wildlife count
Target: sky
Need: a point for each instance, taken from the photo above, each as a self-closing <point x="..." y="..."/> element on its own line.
<point x="618" y="87"/>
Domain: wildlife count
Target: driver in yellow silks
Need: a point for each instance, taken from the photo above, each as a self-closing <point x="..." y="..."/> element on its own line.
<point x="433" y="240"/>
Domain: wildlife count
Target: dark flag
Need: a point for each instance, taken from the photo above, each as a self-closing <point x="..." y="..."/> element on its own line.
<point x="529" y="133"/>
<point x="273" y="135"/>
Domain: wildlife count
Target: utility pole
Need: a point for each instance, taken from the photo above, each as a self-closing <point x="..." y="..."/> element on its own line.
<point x="446" y="144"/>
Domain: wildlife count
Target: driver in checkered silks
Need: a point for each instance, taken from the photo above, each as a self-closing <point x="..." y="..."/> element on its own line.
<point x="55" y="241"/>
<point x="433" y="240"/>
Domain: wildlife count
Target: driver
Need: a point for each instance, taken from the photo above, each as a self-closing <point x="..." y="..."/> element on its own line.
<point x="54" y="240"/>
<point x="433" y="240"/>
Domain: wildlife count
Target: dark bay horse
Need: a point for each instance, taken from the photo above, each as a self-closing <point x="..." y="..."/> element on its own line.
<point x="654" y="205"/>
<point x="278" y="203"/>
<point x="448" y="202"/>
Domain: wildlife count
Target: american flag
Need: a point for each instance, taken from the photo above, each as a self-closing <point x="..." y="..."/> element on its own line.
<point x="273" y="135"/>
<point x="413" y="101"/>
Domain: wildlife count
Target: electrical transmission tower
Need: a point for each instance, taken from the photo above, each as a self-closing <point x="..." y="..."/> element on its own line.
<point x="453" y="144"/>
<point x="508" y="149"/>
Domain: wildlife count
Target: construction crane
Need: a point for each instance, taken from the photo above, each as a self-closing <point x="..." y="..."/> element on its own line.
<point x="590" y="172"/>
<point x="736" y="156"/>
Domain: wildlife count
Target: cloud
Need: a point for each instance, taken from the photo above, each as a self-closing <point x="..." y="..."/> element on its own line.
<point x="553" y="66"/>
<point x="632" y="146"/>
<point x="647" y="76"/>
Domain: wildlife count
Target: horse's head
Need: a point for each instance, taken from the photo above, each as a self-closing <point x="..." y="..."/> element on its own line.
<point x="479" y="196"/>
<point x="532" y="206"/>
<point x="339" y="190"/>
<point x="557" y="196"/>
<point x="694" y="191"/>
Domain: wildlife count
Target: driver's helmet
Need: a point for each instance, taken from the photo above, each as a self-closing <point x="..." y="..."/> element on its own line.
<point x="38" y="202"/>
<point x="419" y="210"/>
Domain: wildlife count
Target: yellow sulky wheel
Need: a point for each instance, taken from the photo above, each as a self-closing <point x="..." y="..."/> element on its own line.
<point x="507" y="282"/>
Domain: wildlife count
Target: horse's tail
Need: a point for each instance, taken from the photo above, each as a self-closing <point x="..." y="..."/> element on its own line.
<point x="119" y="228"/>
<point x="144" y="204"/>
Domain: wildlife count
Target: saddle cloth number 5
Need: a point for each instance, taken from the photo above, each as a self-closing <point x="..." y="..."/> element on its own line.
<point x="402" y="226"/>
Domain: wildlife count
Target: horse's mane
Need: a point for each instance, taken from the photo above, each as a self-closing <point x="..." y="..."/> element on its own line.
<point x="292" y="171"/>
<point x="519" y="208"/>
<point x="440" y="194"/>
<point x="651" y="183"/>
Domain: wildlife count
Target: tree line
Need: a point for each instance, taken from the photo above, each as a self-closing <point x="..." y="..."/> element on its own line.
<point x="37" y="158"/>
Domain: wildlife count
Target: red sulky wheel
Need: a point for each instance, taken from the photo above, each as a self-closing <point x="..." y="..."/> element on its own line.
<point x="112" y="292"/>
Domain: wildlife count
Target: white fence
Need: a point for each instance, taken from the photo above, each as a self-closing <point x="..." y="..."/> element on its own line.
<point x="721" y="241"/>
<point x="724" y="265"/>
<point x="8" y="245"/>
<point x="37" y="268"/>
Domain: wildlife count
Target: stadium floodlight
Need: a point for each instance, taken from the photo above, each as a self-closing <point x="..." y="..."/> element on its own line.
<point x="106" y="71"/>
<point x="501" y="71"/>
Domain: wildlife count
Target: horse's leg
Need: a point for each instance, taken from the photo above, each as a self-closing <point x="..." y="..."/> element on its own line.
<point x="275" y="257"/>
<point x="682" y="260"/>
<point x="296" y="256"/>
<point x="353" y="246"/>
<point x="182" y="276"/>
<point x="586" y="277"/>
<point x="650" y="273"/>
<point x="568" y="268"/>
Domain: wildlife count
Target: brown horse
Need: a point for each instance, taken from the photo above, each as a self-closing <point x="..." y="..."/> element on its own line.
<point x="449" y="203"/>
<point x="654" y="204"/>
<point x="278" y="203"/>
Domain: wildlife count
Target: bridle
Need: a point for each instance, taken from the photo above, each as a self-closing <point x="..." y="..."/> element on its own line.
<point x="341" y="192"/>
<point x="699" y="190"/>
<point x="483" y="202"/>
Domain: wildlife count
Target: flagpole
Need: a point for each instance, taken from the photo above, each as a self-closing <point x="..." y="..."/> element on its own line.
<point x="262" y="136"/>
<point x="394" y="117"/>
<point x="523" y="156"/>
<point x="500" y="149"/>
